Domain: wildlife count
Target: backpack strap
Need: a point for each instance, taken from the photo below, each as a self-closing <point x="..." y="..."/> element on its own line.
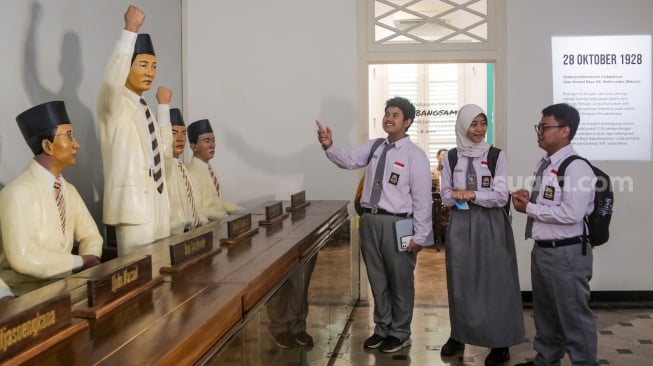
<point x="492" y="157"/>
<point x="375" y="146"/>
<point x="561" y="183"/>
<point x="452" y="156"/>
<point x="563" y="168"/>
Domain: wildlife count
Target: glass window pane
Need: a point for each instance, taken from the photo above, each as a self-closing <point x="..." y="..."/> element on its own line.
<point x="438" y="91"/>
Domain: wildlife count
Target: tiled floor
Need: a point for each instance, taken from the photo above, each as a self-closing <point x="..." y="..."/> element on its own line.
<point x="625" y="331"/>
<point x="625" y="334"/>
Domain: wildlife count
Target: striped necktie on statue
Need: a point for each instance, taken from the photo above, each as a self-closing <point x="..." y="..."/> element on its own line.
<point x="189" y="194"/>
<point x="215" y="180"/>
<point x="61" y="204"/>
<point x="158" y="176"/>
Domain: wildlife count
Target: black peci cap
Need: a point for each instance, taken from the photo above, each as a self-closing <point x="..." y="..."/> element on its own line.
<point x="176" y="119"/>
<point x="197" y="128"/>
<point x="39" y="121"/>
<point x="143" y="46"/>
<point x="42" y="118"/>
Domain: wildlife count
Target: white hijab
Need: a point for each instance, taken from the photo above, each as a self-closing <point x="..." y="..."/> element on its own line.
<point x="464" y="145"/>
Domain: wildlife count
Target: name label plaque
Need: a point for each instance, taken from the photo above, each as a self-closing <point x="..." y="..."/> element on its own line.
<point x="238" y="229"/>
<point x="273" y="214"/>
<point x="113" y="285"/>
<point x="191" y="248"/>
<point x="297" y="201"/>
<point x="190" y="251"/>
<point x="24" y="327"/>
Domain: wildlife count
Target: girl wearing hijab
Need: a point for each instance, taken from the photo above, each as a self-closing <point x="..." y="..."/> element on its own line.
<point x="485" y="306"/>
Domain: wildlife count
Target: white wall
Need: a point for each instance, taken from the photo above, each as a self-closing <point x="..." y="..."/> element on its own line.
<point x="262" y="72"/>
<point x="57" y="50"/>
<point x="624" y="262"/>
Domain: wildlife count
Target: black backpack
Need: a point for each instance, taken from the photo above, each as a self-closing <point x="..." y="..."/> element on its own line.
<point x="492" y="157"/>
<point x="598" y="221"/>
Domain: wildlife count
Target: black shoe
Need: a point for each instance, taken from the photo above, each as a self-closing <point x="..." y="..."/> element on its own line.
<point x="303" y="339"/>
<point x="451" y="348"/>
<point x="497" y="356"/>
<point x="373" y="342"/>
<point x="529" y="363"/>
<point x="393" y="344"/>
<point x="282" y="340"/>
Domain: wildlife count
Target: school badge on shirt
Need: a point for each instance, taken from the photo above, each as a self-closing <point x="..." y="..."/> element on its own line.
<point x="485" y="181"/>
<point x="471" y="179"/>
<point x="549" y="193"/>
<point x="394" y="179"/>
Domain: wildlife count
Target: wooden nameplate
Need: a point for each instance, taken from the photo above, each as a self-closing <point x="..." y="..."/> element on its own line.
<point x="189" y="252"/>
<point x="108" y="291"/>
<point x="239" y="229"/>
<point x="273" y="214"/>
<point x="27" y="354"/>
<point x="27" y="328"/>
<point x="297" y="201"/>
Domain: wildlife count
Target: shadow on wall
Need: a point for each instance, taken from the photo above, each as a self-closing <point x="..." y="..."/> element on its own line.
<point x="86" y="174"/>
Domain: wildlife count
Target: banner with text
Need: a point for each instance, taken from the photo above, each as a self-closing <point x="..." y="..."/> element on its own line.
<point x="608" y="79"/>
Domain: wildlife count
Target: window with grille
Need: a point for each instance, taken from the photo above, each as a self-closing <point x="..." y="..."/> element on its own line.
<point x="429" y="21"/>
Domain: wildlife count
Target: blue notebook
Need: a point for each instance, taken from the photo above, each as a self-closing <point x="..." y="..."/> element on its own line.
<point x="404" y="232"/>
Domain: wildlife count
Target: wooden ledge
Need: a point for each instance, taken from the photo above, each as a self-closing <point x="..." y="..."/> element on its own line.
<point x="235" y="240"/>
<point x="274" y="220"/>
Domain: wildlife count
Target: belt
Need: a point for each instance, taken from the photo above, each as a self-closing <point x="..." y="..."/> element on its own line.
<point x="559" y="243"/>
<point x="380" y="211"/>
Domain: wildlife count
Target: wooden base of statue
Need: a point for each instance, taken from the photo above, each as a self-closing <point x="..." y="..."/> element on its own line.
<point x="97" y="312"/>
<point x="298" y="207"/>
<point x="189" y="263"/>
<point x="274" y="220"/>
<point x="236" y="239"/>
<point x="24" y="356"/>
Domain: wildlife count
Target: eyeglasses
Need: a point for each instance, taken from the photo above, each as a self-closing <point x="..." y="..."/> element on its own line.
<point x="539" y="129"/>
<point x="70" y="134"/>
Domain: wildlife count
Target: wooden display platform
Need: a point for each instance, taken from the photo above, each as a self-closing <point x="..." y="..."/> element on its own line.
<point x="186" y="314"/>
